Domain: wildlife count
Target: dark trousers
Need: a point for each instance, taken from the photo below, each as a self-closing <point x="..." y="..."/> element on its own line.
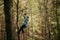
<point x="21" y="29"/>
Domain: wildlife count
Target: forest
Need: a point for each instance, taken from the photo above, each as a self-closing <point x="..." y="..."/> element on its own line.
<point x="43" y="24"/>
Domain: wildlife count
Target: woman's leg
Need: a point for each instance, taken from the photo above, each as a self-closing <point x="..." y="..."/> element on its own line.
<point x="20" y="29"/>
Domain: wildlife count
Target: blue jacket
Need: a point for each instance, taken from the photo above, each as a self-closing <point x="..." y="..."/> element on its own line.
<point x="25" y="21"/>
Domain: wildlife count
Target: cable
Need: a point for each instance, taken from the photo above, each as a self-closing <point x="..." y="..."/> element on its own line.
<point x="17" y="18"/>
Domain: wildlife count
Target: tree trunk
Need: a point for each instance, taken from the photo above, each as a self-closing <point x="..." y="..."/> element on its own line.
<point x="7" y="9"/>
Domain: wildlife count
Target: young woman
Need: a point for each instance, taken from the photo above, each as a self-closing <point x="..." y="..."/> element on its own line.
<point x="25" y="24"/>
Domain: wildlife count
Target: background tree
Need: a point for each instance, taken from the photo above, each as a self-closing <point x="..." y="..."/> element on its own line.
<point x="7" y="9"/>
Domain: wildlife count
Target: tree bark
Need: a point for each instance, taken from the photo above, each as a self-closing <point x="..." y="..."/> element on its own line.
<point x="7" y="9"/>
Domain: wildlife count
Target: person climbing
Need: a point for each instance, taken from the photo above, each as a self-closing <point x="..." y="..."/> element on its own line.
<point x="25" y="23"/>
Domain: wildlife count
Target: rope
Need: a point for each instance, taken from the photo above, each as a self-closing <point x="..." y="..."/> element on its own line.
<point x="17" y="18"/>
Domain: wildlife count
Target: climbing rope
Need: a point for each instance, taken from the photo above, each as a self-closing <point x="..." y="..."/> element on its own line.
<point x="17" y="17"/>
